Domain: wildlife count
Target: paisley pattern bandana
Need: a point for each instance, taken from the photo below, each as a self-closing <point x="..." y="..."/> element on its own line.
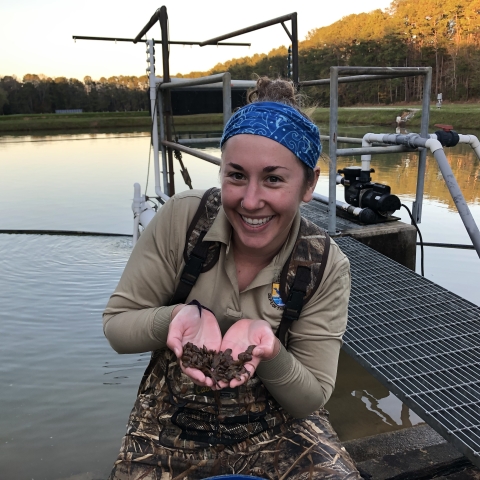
<point x="281" y="123"/>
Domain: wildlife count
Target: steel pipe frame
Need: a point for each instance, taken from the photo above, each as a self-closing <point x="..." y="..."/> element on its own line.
<point x="293" y="37"/>
<point x="164" y="152"/>
<point x="217" y="78"/>
<point x="355" y="78"/>
<point x="422" y="156"/>
<point x="384" y="72"/>
<point x="415" y="140"/>
<point x="198" y="141"/>
<point x="192" y="151"/>
<point x="162" y="17"/>
<point x="226" y="80"/>
<point x="170" y="42"/>
<point x="236" y="84"/>
<point x="347" y="152"/>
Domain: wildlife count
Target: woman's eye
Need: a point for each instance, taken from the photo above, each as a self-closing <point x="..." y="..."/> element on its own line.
<point x="236" y="176"/>
<point x="273" y="179"/>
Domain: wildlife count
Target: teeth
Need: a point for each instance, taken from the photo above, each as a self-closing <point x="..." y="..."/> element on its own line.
<point x="256" y="221"/>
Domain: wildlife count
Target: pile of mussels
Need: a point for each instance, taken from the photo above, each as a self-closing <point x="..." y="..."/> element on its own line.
<point x="220" y="366"/>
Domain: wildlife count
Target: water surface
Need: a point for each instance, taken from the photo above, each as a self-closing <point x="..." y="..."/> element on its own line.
<point x="65" y="394"/>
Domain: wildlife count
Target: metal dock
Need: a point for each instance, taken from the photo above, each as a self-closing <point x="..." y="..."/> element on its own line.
<point x="418" y="339"/>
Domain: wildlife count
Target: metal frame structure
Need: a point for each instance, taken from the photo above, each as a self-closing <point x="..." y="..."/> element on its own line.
<point x="162" y="119"/>
<point x="164" y="105"/>
<point x="362" y="74"/>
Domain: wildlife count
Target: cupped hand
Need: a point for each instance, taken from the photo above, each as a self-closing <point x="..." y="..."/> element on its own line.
<point x="240" y="336"/>
<point x="198" y="326"/>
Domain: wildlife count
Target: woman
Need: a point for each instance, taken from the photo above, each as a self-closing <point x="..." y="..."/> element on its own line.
<point x="268" y="421"/>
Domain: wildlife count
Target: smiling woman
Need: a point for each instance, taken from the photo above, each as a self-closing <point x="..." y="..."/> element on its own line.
<point x="257" y="277"/>
<point x="262" y="187"/>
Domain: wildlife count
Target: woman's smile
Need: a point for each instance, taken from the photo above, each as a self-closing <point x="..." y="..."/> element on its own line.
<point x="256" y="222"/>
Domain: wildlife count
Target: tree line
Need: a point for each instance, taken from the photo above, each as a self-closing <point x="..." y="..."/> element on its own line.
<point x="444" y="35"/>
<point x="41" y="94"/>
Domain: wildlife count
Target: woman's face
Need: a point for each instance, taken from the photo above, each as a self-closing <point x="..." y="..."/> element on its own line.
<point x="262" y="187"/>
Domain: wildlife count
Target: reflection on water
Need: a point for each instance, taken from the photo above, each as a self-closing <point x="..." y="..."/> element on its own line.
<point x="362" y="406"/>
<point x="65" y="394"/>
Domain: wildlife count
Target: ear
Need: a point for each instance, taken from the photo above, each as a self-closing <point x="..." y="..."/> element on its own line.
<point x="308" y="195"/>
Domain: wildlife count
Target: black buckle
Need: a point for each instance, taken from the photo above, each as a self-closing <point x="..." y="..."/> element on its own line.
<point x="294" y="305"/>
<point x="192" y="270"/>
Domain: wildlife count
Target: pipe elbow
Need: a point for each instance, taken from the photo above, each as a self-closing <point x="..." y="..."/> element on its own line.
<point x="433" y="145"/>
<point x="159" y="193"/>
<point x="474" y="142"/>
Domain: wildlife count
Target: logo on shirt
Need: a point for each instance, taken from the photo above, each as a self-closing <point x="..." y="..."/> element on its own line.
<point x="275" y="295"/>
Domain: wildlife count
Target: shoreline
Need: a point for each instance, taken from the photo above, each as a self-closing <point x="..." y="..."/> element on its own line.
<point x="462" y="116"/>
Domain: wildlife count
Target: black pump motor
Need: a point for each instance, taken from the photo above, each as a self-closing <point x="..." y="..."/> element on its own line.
<point x="361" y="192"/>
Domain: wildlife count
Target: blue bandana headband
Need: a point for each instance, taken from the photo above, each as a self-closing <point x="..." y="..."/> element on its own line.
<point x="281" y="123"/>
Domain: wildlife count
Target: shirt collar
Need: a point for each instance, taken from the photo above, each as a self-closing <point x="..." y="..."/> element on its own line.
<point x="221" y="229"/>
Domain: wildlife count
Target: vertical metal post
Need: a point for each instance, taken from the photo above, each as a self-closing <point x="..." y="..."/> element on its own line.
<point x="167" y="99"/>
<point x="295" y="48"/>
<point x="227" y="97"/>
<point x="332" y="145"/>
<point x="422" y="156"/>
<point x="162" y="137"/>
<point x="153" y="106"/>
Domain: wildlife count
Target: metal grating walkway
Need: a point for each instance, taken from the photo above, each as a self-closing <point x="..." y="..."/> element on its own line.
<point x="420" y="340"/>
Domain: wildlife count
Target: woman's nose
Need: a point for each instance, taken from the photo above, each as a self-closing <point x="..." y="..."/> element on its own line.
<point x="252" y="198"/>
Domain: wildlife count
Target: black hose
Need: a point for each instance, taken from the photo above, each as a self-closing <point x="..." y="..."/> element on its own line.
<point x="448" y="245"/>
<point x="414" y="223"/>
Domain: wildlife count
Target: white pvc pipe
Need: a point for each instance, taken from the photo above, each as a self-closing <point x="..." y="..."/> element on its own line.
<point x="137" y="208"/>
<point x="473" y="141"/>
<point x="159" y="193"/>
<point x="142" y="211"/>
<point x="366" y="142"/>
<point x="343" y="205"/>
<point x="146" y="216"/>
<point x="436" y="148"/>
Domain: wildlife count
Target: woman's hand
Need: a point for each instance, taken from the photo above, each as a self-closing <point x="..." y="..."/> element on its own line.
<point x="240" y="336"/>
<point x="197" y="325"/>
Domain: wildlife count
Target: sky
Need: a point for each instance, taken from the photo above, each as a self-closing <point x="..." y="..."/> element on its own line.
<point x="36" y="35"/>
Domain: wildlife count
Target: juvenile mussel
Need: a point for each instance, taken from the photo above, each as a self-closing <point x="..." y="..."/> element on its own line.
<point x="219" y="366"/>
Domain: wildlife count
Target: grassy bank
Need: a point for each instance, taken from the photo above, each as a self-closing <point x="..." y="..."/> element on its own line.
<point x="94" y="121"/>
<point x="464" y="117"/>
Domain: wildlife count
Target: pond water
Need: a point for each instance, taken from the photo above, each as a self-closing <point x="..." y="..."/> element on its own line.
<point x="65" y="394"/>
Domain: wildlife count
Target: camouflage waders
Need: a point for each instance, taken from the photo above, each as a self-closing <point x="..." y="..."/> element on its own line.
<point x="178" y="431"/>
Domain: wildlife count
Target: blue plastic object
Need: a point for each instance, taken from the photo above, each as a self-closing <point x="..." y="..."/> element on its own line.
<point x="233" y="477"/>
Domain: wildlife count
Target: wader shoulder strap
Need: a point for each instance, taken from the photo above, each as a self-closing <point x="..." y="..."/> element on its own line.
<point x="302" y="273"/>
<point x="199" y="256"/>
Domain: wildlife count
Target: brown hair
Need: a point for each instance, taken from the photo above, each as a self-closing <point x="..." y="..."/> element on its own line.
<point x="282" y="91"/>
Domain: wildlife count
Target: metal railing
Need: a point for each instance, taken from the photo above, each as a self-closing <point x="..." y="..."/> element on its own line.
<point x="164" y="104"/>
<point x="362" y="74"/>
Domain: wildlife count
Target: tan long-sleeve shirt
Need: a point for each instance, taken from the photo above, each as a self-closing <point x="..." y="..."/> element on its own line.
<point x="137" y="316"/>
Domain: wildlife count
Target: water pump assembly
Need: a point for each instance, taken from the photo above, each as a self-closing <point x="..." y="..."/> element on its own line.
<point x="375" y="199"/>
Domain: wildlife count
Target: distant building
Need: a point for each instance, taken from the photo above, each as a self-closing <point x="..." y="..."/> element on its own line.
<point x="73" y="110"/>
